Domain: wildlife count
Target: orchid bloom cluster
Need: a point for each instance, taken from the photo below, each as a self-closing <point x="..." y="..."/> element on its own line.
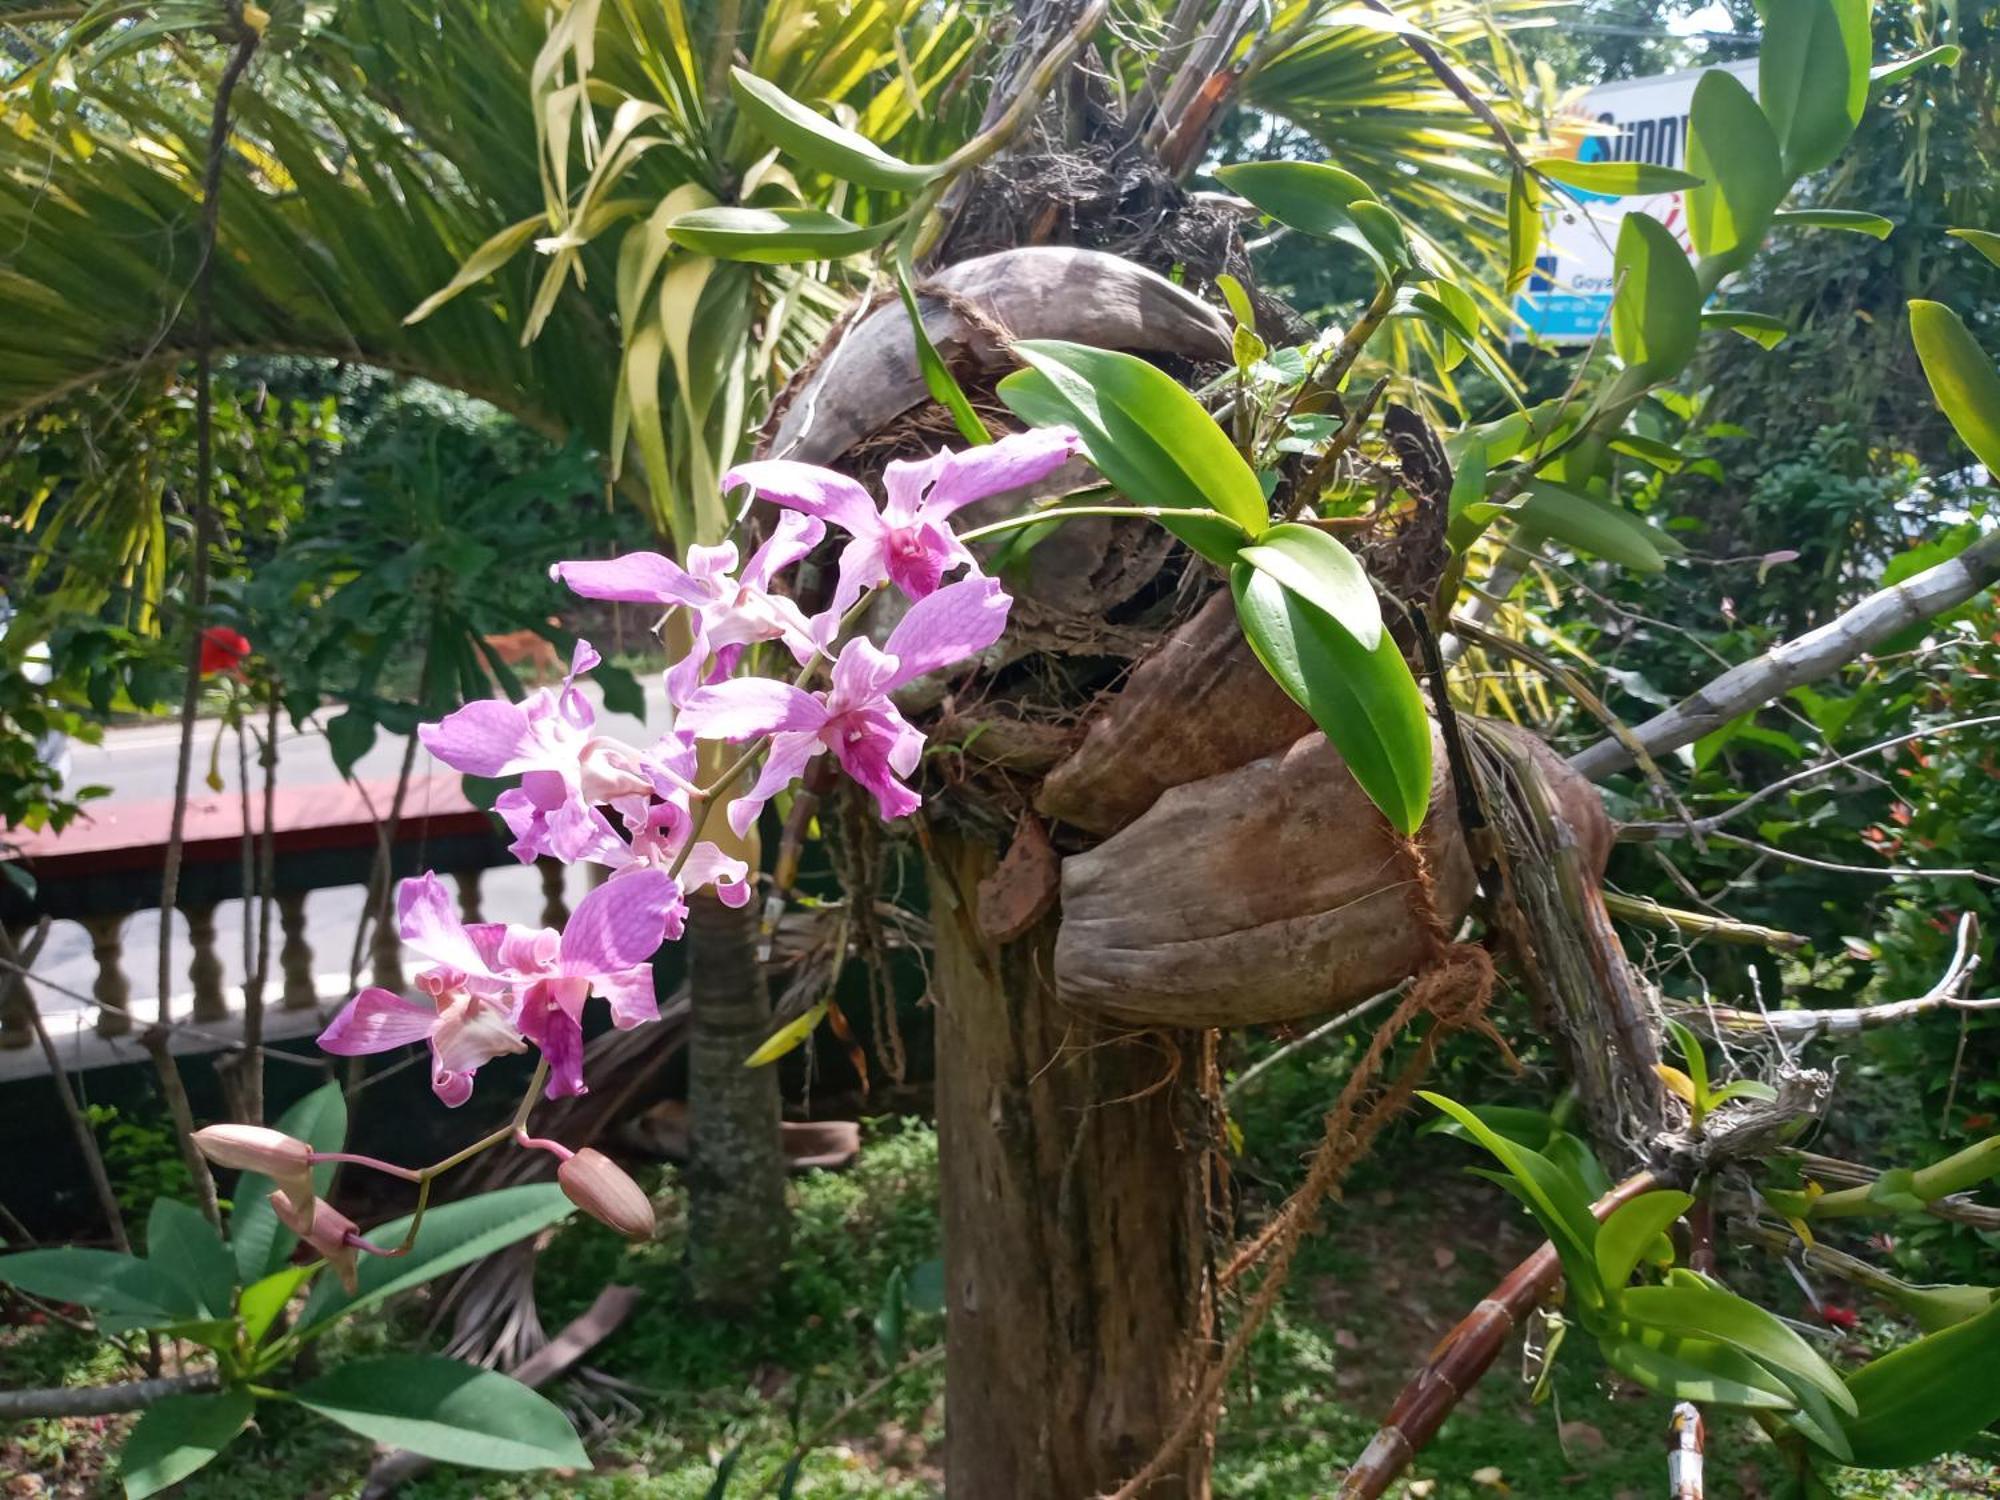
<point x="639" y="812"/>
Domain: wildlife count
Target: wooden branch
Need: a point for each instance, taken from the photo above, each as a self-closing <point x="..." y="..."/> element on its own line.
<point x="1464" y="1355"/>
<point x="1806" y="658"/>
<point x="102" y="1400"/>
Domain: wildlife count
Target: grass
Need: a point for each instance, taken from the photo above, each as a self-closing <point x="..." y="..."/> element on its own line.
<point x="1415" y="1245"/>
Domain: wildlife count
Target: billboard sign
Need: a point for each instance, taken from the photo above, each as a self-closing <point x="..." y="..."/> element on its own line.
<point x="1639" y="119"/>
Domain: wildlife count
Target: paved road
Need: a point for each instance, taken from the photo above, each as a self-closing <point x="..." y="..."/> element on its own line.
<point x="138" y="765"/>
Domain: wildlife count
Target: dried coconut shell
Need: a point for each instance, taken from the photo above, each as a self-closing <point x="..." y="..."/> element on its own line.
<point x="1197" y="706"/>
<point x="1271" y="892"/>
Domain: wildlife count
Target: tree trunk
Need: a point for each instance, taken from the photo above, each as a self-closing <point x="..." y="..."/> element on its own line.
<point x="1078" y="1299"/>
<point x="738" y="1226"/>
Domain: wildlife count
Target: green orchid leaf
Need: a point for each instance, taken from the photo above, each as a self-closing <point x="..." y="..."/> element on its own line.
<point x="1851" y="220"/>
<point x="1628" y="1232"/>
<point x="1617" y="179"/>
<point x="1317" y="568"/>
<point x="1812" y="77"/>
<point x="446" y="1410"/>
<point x="1731" y="147"/>
<point x="1962" y="378"/>
<point x="1365" y="701"/>
<point x="810" y="137"/>
<point x="774" y="236"/>
<point x="178" y="1435"/>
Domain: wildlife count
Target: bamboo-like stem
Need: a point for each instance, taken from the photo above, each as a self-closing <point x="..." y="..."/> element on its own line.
<point x="1955" y="1174"/>
<point x="21" y="960"/>
<point x="102" y="1400"/>
<point x="1650" y="913"/>
<point x="1462" y="1357"/>
<point x="1803" y="659"/>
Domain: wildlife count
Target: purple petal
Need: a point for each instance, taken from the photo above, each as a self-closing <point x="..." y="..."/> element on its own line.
<point x="636" y="578"/>
<point x="795" y="535"/>
<point x="746" y="707"/>
<point x="784" y="761"/>
<point x="619" y="924"/>
<point x="487" y="738"/>
<point x="876" y="749"/>
<point x="996" y="468"/>
<point x="864" y="562"/>
<point x="918" y="559"/>
<point x="630" y="992"/>
<point x="862" y="675"/>
<point x="552" y="1029"/>
<point x="377" y="1021"/>
<point x="430" y="924"/>
<point x="707" y="865"/>
<point x="582" y="658"/>
<point x="470" y="1032"/>
<point x="952" y="625"/>
<point x="811" y="489"/>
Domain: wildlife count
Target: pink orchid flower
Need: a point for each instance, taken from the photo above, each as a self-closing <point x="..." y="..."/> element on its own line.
<point x="564" y="768"/>
<point x="727" y="613"/>
<point x="854" y="718"/>
<point x="907" y="542"/>
<point x="496" y="986"/>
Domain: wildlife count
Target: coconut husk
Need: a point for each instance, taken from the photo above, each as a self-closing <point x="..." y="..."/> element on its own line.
<point x="869" y="375"/>
<point x="1269" y="893"/>
<point x="1198" y="706"/>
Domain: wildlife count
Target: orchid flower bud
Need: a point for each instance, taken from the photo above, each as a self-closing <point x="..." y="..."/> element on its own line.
<point x="604" y="1190"/>
<point x="284" y="1159"/>
<point x="327" y="1230"/>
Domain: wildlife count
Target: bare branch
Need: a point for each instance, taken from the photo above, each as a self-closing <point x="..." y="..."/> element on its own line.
<point x="1638" y="833"/>
<point x="1793" y="1026"/>
<point x="1877" y="872"/>
<point x="1805" y="658"/>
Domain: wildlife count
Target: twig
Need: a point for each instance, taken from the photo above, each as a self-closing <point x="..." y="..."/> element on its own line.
<point x="21" y="960"/>
<point x="1312" y="1038"/>
<point x="1465" y="93"/>
<point x="204" y="527"/>
<point x="102" y="1400"/>
<point x="1877" y="872"/>
<point x="1464" y="1355"/>
<point x="1651" y="913"/>
<point x="1803" y="659"/>
<point x="1641" y="832"/>
<point x="183" y="1027"/>
<point x="818" y="1435"/>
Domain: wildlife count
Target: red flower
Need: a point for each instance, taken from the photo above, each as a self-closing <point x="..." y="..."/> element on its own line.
<point x="1839" y="1317"/>
<point x="222" y="649"/>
